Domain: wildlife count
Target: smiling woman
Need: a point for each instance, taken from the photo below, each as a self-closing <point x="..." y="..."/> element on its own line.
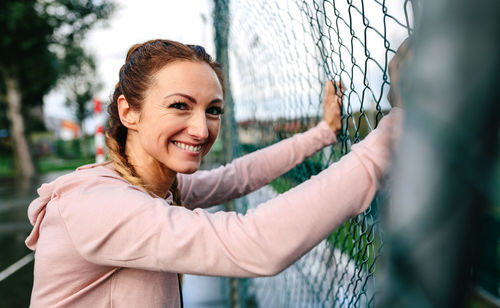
<point x="108" y="234"/>
<point x="177" y="124"/>
<point x="166" y="108"/>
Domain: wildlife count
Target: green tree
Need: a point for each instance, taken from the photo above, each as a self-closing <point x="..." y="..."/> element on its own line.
<point x="36" y="50"/>
<point x="80" y="86"/>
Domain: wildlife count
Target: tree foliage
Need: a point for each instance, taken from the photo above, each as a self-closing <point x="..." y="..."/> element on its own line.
<point x="41" y="43"/>
<point x="24" y="52"/>
<point x="81" y="86"/>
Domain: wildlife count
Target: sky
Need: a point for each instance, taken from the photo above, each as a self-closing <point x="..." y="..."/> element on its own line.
<point x="139" y="21"/>
<point x="278" y="68"/>
<point x="134" y="22"/>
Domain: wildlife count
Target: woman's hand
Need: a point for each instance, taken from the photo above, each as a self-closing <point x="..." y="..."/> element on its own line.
<point x="332" y="103"/>
<point x="401" y="57"/>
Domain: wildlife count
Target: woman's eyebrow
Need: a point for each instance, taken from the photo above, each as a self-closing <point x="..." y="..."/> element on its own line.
<point x="217" y="100"/>
<point x="190" y="98"/>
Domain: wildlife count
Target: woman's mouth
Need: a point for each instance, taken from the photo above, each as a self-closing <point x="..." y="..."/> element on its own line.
<point x="187" y="147"/>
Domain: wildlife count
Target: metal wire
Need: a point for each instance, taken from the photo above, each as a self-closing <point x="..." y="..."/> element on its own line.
<point x="281" y="53"/>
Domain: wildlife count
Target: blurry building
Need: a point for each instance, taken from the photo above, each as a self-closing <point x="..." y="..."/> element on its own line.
<point x="62" y="128"/>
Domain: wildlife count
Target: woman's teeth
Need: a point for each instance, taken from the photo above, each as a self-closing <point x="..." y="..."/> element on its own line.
<point x="187" y="147"/>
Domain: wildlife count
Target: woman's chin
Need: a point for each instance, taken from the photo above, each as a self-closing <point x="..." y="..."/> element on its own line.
<point x="188" y="169"/>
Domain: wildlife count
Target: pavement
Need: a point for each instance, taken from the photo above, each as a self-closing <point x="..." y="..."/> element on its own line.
<point x="204" y="292"/>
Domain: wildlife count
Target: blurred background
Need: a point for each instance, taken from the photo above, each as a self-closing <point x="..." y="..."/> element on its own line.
<point x="416" y="246"/>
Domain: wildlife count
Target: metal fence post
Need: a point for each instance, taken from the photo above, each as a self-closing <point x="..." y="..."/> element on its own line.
<point x="229" y="128"/>
<point x="449" y="147"/>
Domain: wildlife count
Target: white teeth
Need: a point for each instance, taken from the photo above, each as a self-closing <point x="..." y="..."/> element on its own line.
<point x="189" y="148"/>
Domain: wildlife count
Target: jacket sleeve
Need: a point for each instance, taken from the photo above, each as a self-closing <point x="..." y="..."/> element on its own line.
<point x="252" y="171"/>
<point x="117" y="225"/>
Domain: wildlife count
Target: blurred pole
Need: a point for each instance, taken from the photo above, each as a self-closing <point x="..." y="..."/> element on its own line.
<point x="229" y="128"/>
<point x="99" y="132"/>
<point x="204" y="30"/>
<point x="443" y="179"/>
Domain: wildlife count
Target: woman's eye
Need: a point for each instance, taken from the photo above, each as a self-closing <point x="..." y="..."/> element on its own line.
<point x="215" y="111"/>
<point x="178" y="105"/>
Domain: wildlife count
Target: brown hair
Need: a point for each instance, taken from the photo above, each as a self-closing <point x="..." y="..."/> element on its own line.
<point x="136" y="77"/>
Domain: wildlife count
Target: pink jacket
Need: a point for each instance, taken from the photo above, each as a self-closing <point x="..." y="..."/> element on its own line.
<point x="102" y="242"/>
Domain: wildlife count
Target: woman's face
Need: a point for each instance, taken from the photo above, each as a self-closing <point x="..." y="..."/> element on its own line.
<point x="180" y="116"/>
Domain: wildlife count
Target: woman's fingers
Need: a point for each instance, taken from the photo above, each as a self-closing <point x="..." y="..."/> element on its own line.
<point x="332" y="102"/>
<point x="403" y="54"/>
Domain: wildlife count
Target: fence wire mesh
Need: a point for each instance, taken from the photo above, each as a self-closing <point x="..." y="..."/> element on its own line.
<point x="281" y="53"/>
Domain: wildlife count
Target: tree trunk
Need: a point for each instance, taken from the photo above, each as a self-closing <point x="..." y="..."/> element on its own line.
<point x="21" y="150"/>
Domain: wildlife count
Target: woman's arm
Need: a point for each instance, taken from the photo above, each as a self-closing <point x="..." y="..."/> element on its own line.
<point x="116" y="225"/>
<point x="250" y="172"/>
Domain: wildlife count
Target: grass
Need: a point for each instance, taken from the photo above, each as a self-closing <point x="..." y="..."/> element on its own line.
<point x="51" y="163"/>
<point x="6" y="166"/>
<point x="44" y="164"/>
<point x="282" y="184"/>
<point x="53" y="154"/>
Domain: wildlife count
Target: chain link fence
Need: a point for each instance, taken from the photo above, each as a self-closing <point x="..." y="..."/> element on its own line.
<point x="280" y="55"/>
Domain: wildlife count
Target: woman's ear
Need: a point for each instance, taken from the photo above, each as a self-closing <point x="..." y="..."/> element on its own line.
<point x="128" y="116"/>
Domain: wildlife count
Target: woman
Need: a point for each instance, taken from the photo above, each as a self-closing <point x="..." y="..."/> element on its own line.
<point x="107" y="234"/>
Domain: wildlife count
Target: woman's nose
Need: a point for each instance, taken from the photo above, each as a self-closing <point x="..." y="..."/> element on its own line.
<point x="197" y="126"/>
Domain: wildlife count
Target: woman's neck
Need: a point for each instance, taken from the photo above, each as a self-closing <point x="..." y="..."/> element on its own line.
<point x="155" y="176"/>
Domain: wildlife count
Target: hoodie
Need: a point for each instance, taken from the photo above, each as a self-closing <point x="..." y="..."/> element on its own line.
<point x="101" y="242"/>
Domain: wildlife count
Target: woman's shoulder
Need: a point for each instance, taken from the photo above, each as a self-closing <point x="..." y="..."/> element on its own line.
<point x="102" y="174"/>
<point x="95" y="183"/>
<point x="78" y="196"/>
<point x="104" y="169"/>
